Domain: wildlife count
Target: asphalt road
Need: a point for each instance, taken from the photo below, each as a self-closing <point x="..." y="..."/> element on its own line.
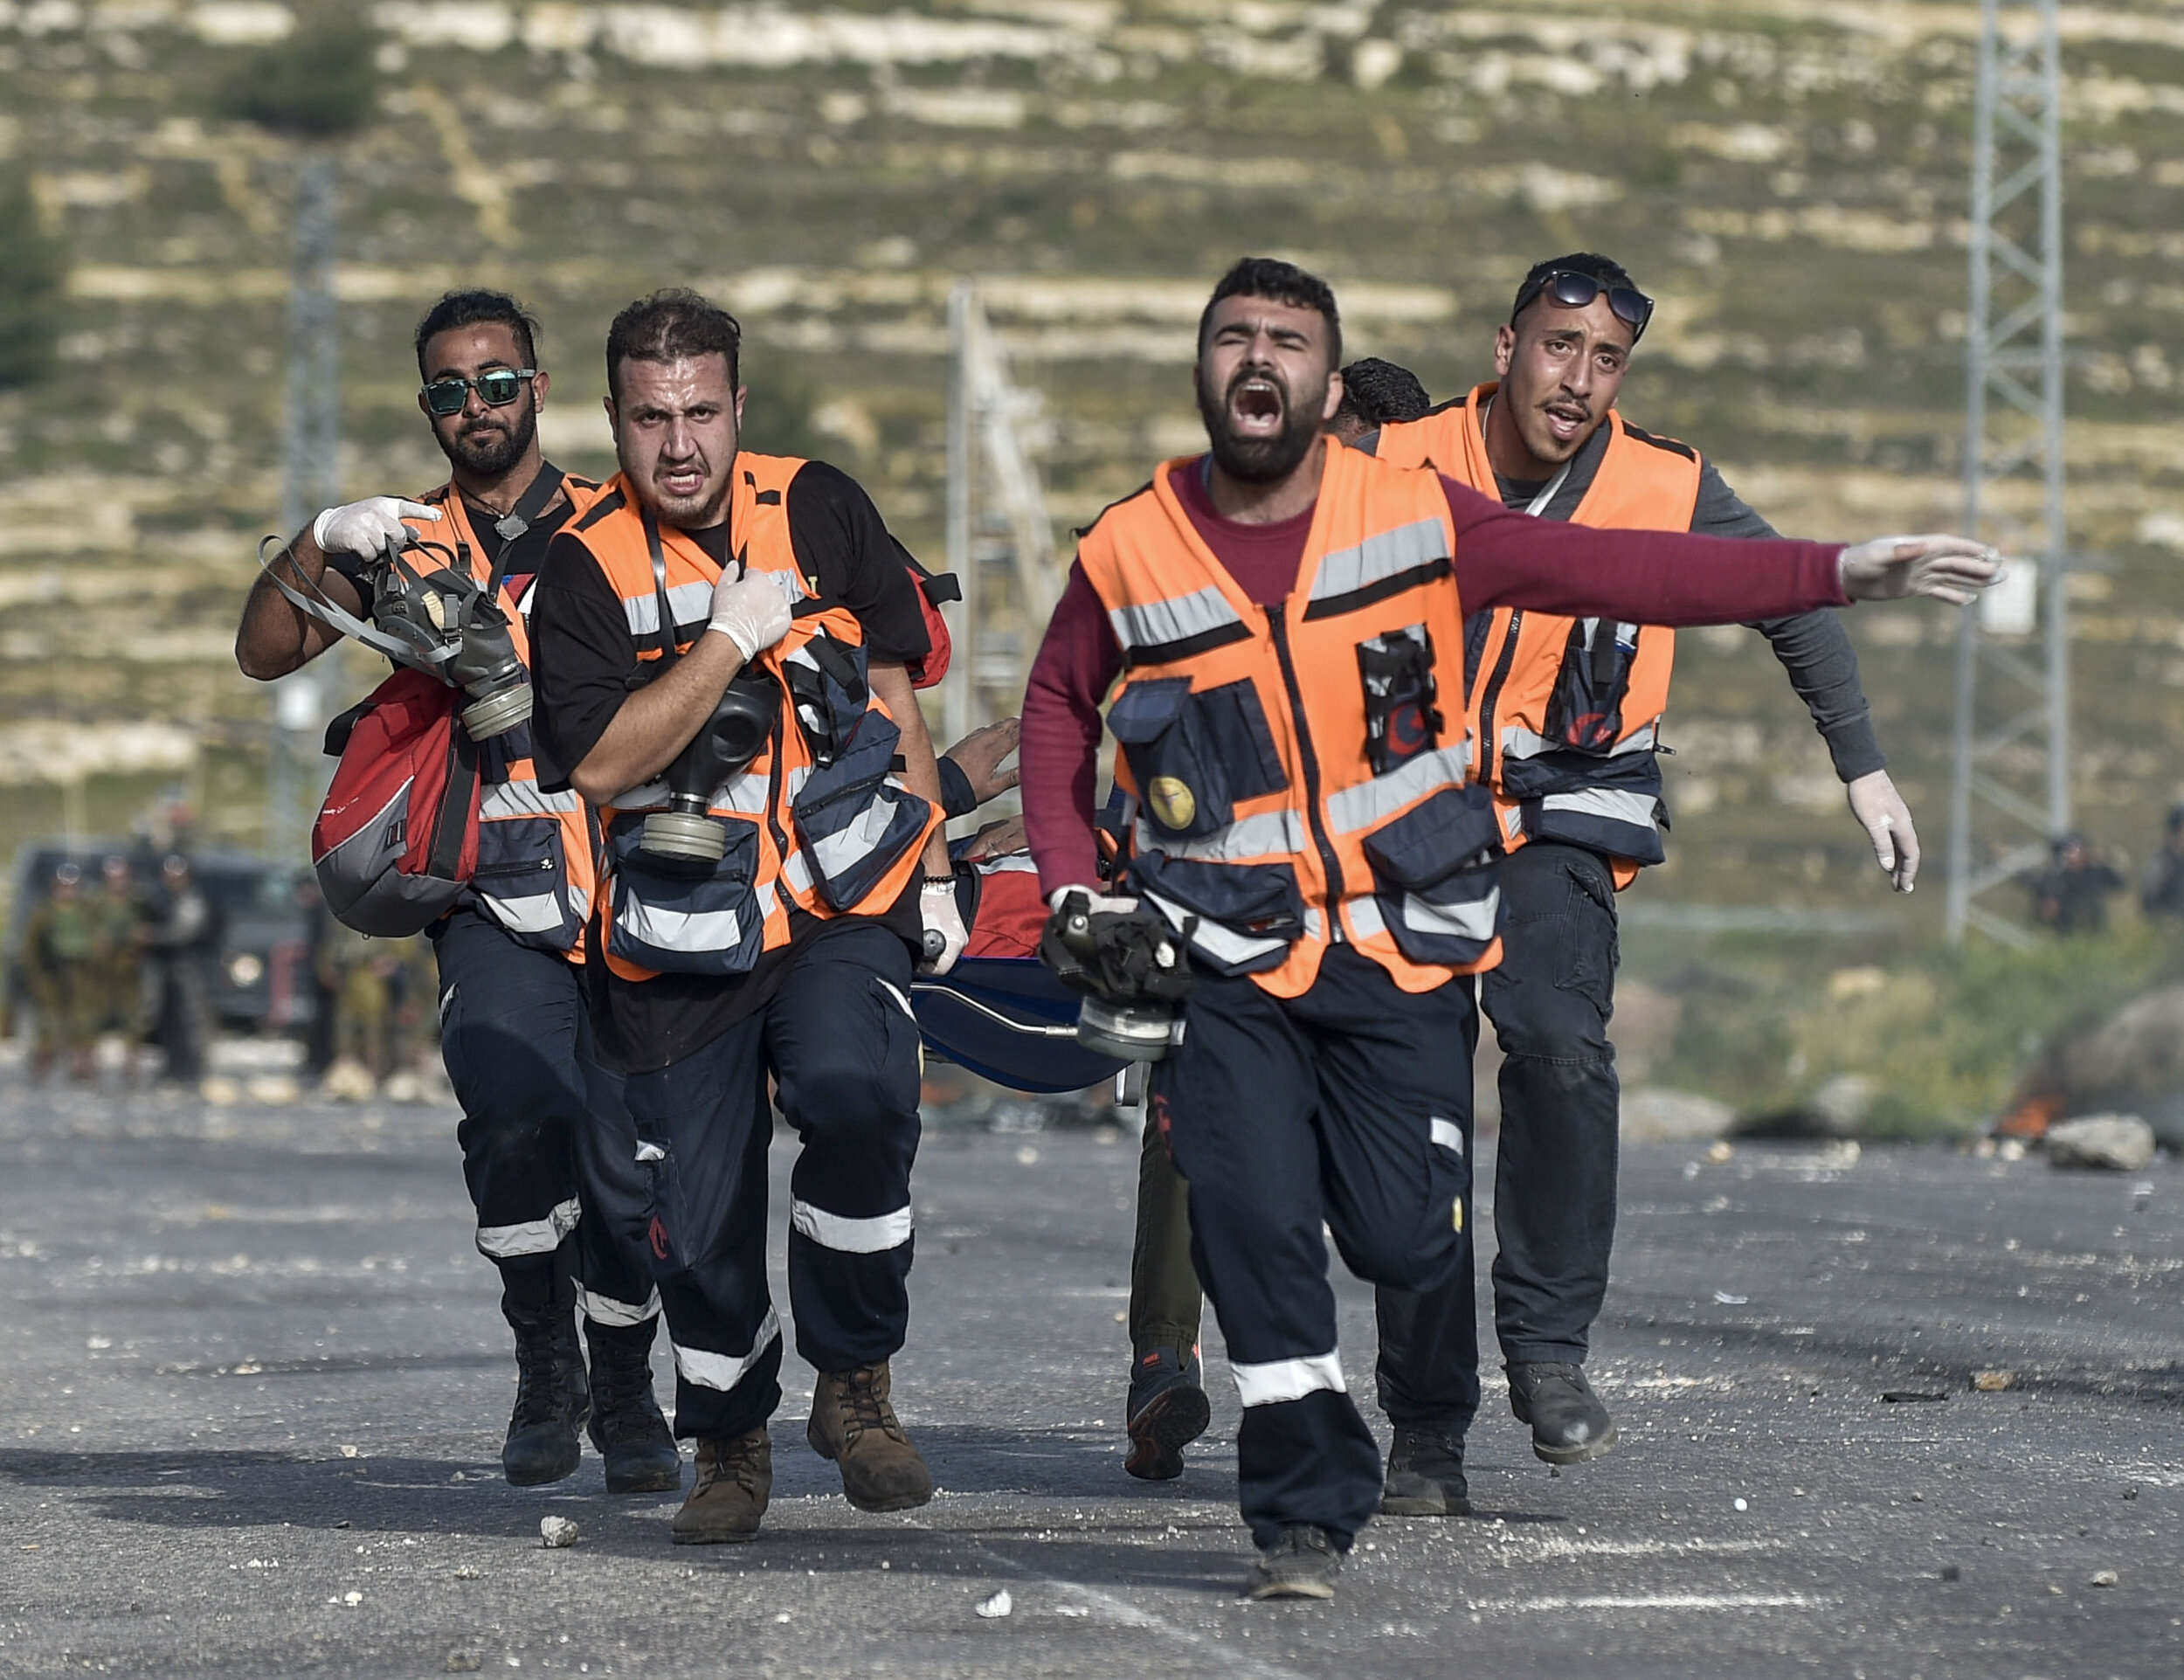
<point x="252" y="1385"/>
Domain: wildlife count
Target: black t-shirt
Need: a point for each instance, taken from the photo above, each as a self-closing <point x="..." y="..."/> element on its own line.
<point x="584" y="664"/>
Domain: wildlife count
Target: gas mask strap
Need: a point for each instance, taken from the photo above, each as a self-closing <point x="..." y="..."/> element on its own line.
<point x="335" y="618"/>
<point x="669" y="648"/>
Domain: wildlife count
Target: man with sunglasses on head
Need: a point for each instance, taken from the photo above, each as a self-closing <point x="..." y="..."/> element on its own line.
<point x="1566" y="714"/>
<point x="548" y="1151"/>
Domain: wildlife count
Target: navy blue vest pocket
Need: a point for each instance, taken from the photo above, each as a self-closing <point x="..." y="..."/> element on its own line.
<point x="827" y="686"/>
<point x="1435" y="876"/>
<point x="522" y="881"/>
<point x="1194" y="755"/>
<point x="1248" y="914"/>
<point x="684" y="918"/>
<point x="853" y="824"/>
<point x="1613" y="805"/>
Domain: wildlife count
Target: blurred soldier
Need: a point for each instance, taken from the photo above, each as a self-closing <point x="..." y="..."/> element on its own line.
<point x="2164" y="894"/>
<point x="60" y="966"/>
<point x="121" y="934"/>
<point x="181" y="936"/>
<point x="548" y="1152"/>
<point x="2070" y="896"/>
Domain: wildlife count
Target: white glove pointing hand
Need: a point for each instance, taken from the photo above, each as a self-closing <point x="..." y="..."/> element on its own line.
<point x="365" y="527"/>
<point x="1943" y="568"/>
<point x="751" y="612"/>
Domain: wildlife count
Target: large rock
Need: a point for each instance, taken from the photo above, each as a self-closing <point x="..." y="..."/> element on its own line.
<point x="2131" y="1061"/>
<point x="2112" y="1143"/>
<point x="1656" y="1116"/>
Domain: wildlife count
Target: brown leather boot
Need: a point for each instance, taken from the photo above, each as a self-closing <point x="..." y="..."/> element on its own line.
<point x="853" y="1424"/>
<point x="735" y="1480"/>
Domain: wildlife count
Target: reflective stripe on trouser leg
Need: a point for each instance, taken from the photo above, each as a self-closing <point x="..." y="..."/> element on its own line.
<point x="605" y="1309"/>
<point x="703" y="1125"/>
<point x="540" y="1236"/>
<point x="843" y="1048"/>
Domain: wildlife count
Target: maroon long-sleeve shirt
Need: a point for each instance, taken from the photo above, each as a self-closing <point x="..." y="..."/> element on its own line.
<point x="1504" y="557"/>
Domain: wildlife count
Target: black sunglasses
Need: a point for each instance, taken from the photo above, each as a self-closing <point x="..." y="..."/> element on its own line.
<point x="1574" y="290"/>
<point x="496" y="388"/>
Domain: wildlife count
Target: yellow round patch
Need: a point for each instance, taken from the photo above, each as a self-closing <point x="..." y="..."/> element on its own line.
<point x="1171" y="801"/>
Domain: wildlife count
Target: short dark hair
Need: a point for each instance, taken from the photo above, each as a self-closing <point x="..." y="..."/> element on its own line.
<point x="1606" y="270"/>
<point x="471" y="308"/>
<point x="671" y="326"/>
<point x="1283" y="282"/>
<point x="1375" y="392"/>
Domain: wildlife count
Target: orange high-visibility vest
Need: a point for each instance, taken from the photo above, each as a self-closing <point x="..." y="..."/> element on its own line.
<point x="1567" y="711"/>
<point x="820" y="818"/>
<point x="535" y="874"/>
<point x="1294" y="777"/>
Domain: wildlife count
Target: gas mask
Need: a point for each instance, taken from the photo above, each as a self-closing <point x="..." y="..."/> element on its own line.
<point x="1131" y="969"/>
<point x="442" y="622"/>
<point x="724" y="746"/>
<point x="456" y="630"/>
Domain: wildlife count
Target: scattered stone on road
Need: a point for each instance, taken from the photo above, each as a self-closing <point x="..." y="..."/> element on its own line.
<point x="2109" y="1143"/>
<point x="556" y="1532"/>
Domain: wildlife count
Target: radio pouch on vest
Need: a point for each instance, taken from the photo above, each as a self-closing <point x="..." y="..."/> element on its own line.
<point x="1586" y="712"/>
<point x="1397" y="670"/>
<point x="395" y="842"/>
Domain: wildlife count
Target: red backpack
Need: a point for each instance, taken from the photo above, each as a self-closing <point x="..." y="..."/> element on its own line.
<point x="397" y="840"/>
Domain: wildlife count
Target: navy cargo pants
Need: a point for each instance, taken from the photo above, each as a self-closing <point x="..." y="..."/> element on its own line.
<point x="548" y="1151"/>
<point x="841" y="1044"/>
<point x="1348" y="1107"/>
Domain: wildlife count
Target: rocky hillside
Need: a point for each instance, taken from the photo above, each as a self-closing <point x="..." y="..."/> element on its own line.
<point x="1787" y="176"/>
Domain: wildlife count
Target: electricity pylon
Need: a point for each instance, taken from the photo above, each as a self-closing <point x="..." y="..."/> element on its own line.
<point x="310" y="480"/>
<point x="2009" y="794"/>
<point x="1000" y="542"/>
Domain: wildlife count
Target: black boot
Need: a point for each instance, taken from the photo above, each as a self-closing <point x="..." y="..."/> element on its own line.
<point x="552" y="1398"/>
<point x="627" y="1428"/>
<point x="1569" y="1425"/>
<point x="1425" y="1473"/>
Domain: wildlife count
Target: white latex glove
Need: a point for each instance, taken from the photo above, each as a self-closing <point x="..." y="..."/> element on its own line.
<point x="365" y="527"/>
<point x="945" y="935"/>
<point x="1887" y="820"/>
<point x="1098" y="903"/>
<point x="1940" y="567"/>
<point x="751" y="612"/>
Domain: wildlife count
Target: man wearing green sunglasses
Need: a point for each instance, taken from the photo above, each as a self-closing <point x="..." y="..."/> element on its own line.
<point x="548" y="1150"/>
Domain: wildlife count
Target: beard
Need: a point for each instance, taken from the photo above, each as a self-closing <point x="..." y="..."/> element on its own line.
<point x="1261" y="461"/>
<point x="487" y="450"/>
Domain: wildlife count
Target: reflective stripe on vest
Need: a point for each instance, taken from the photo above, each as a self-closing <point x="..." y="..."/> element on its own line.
<point x="536" y="867"/>
<point x="1530" y="664"/>
<point x="1270" y="834"/>
<point x="819" y="818"/>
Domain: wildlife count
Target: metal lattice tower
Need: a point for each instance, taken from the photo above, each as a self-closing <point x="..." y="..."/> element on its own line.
<point x="1000" y="542"/>
<point x="2010" y="792"/>
<point x="310" y="480"/>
